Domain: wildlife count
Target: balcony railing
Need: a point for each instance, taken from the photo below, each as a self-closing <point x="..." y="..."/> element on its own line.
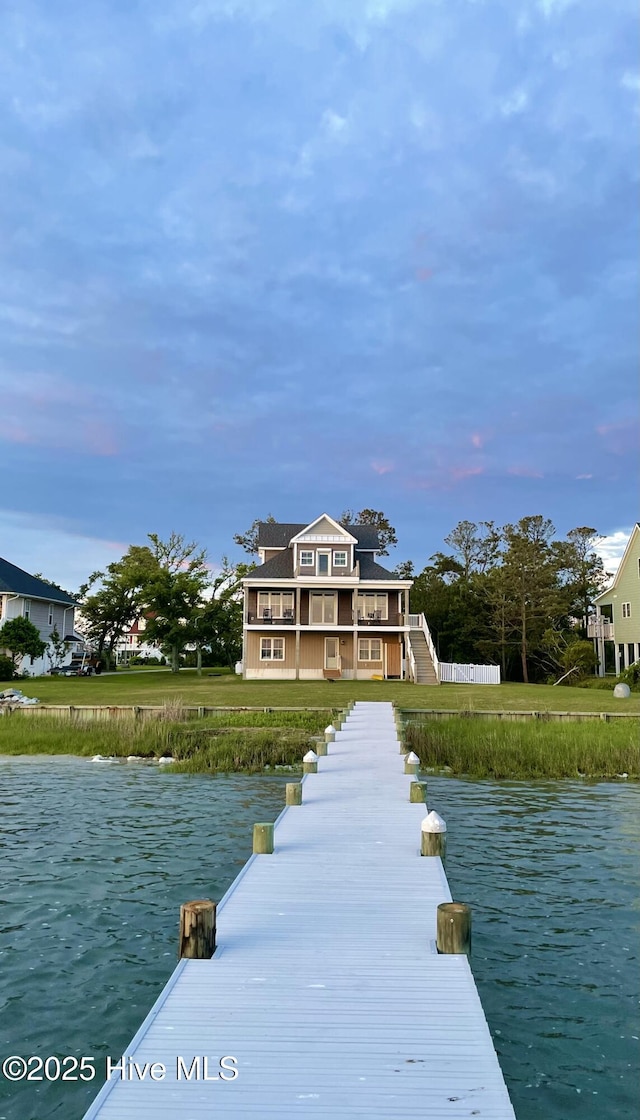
<point x="287" y="618"/>
<point x="600" y="627"/>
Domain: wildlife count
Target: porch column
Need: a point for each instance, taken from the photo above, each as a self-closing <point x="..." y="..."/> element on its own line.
<point x="297" y="626"/>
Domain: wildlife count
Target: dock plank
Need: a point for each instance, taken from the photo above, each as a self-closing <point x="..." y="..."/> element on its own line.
<point x="326" y="985"/>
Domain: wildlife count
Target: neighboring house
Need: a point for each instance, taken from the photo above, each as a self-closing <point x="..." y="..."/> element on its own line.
<point x="134" y="643"/>
<point x="319" y="605"/>
<point x="615" y="628"/>
<point x="48" y="608"/>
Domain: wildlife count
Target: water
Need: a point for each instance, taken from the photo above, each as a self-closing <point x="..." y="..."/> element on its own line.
<point x="96" y="859"/>
<point x="551" y="870"/>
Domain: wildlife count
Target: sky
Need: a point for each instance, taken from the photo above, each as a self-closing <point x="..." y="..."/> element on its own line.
<point x="271" y="257"/>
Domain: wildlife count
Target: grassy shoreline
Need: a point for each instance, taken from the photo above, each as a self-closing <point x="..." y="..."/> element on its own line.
<point x="252" y="742"/>
<point x="493" y="749"/>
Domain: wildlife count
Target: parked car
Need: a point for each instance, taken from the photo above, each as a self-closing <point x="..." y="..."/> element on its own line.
<point x="79" y="667"/>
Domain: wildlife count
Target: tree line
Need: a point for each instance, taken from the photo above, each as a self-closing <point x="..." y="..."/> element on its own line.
<point x="513" y="595"/>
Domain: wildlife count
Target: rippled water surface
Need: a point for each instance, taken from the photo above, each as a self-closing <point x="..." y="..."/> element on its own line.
<point x="96" y="859"/>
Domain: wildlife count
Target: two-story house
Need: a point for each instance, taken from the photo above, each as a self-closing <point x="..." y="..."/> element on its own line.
<point x="320" y="605"/>
<point x="48" y="608"/>
<point x="615" y="628"/>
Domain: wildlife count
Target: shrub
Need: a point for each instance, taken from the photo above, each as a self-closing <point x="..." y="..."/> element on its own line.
<point x="6" y="668"/>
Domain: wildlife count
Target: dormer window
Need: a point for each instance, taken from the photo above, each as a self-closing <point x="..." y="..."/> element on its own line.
<point x="306" y="559"/>
<point x="339" y="559"/>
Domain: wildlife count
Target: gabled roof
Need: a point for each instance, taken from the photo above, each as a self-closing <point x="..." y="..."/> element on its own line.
<point x="614" y="583"/>
<point x="15" y="581"/>
<point x="275" y="534"/>
<point x="334" y="527"/>
<point x="281" y="567"/>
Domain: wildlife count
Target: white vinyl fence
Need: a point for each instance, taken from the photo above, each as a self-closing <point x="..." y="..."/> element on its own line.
<point x="469" y="674"/>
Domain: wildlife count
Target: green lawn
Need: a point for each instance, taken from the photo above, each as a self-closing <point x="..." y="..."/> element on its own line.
<point x="156" y="688"/>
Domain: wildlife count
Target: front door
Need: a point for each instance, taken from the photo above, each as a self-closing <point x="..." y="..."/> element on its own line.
<point x="331" y="653"/>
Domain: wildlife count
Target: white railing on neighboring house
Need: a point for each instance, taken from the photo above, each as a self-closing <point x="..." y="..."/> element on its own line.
<point x="419" y="622"/>
<point x="450" y="673"/>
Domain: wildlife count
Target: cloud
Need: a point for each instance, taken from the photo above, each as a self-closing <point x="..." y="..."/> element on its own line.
<point x="383" y="467"/>
<point x="611" y="548"/>
<point x="521" y="471"/>
<point x="41" y="543"/>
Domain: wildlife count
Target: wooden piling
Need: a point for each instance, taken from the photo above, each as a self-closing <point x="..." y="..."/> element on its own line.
<point x="411" y="763"/>
<point x="433" y="836"/>
<point x="453" y="924"/>
<point x="293" y="793"/>
<point x="321" y="749"/>
<point x="263" y="839"/>
<point x="197" y="939"/>
<point x="417" y="791"/>
<point x="310" y="763"/>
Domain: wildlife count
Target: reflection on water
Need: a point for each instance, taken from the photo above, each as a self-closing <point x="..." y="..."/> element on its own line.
<point x="96" y="859"/>
<point x="552" y="872"/>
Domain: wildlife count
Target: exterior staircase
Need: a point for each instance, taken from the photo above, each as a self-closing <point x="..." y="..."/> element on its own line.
<point x="425" y="672"/>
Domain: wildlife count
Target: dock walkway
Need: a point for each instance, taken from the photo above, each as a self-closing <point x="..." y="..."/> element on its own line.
<point x="326" y="985"/>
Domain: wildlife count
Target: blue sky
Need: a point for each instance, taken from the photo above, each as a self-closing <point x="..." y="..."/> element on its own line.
<point x="265" y="256"/>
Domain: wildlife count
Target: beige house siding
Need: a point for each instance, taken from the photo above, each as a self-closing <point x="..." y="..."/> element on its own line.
<point x="255" y="667"/>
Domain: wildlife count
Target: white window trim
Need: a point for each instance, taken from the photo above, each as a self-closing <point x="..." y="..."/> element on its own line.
<point x="384" y="615"/>
<point x="325" y="595"/>
<point x="270" y="596"/>
<point x="369" y="642"/>
<point x="305" y="563"/>
<point x="626" y="610"/>
<point x="267" y="646"/>
<point x="341" y="552"/>
<point x="26" y="609"/>
<point x="50" y="615"/>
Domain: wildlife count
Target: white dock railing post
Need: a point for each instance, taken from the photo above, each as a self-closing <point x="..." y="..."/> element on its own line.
<point x="433" y="833"/>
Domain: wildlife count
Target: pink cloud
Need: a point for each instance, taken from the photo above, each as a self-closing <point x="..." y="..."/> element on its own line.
<point x="584" y="476"/>
<point x="477" y="440"/>
<point x="458" y="473"/>
<point x="524" y="472"/>
<point x="14" y="433"/>
<point x="384" y="467"/>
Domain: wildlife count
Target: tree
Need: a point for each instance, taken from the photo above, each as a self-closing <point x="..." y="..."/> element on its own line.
<point x="22" y="639"/>
<point x="530" y="582"/>
<point x="476" y="547"/>
<point x="404" y="569"/>
<point x="58" y="648"/>
<point x="173" y="593"/>
<point x="249" y="540"/>
<point x="582" y="573"/>
<point x="107" y="612"/>
<point x="386" y="532"/>
<point x="568" y="654"/>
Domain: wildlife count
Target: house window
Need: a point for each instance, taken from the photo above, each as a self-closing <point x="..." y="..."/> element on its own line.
<point x="26" y="610"/>
<point x="323" y="609"/>
<point x="626" y="610"/>
<point x="278" y="604"/>
<point x="272" y="649"/>
<point x="306" y="559"/>
<point x="369" y="649"/>
<point x="339" y="559"/>
<point x="370" y="603"/>
<point x="50" y="618"/>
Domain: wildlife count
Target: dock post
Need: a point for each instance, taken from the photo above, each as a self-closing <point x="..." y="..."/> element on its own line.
<point x="321" y="749"/>
<point x="453" y="928"/>
<point x="310" y="763"/>
<point x="411" y="763"/>
<point x="330" y="734"/>
<point x="293" y="793"/>
<point x="433" y="833"/>
<point x="197" y="929"/>
<point x="263" y="839"/>
<point x="418" y="791"/>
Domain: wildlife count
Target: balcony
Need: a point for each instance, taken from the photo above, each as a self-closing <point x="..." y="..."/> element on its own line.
<point x="267" y="617"/>
<point x="600" y="627"/>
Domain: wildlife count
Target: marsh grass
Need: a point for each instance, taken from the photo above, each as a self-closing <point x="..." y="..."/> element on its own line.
<point x="243" y="741"/>
<point x="493" y="749"/>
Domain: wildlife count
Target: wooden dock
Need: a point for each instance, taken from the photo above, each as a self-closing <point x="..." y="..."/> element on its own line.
<point x="326" y="986"/>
